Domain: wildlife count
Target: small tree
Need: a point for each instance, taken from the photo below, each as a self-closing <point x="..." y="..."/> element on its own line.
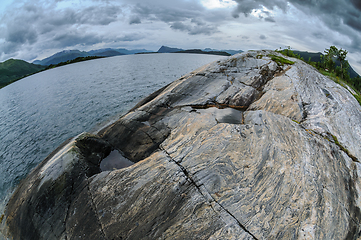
<point x="334" y="54"/>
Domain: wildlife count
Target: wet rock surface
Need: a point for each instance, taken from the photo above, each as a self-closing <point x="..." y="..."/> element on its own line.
<point x="240" y="149"/>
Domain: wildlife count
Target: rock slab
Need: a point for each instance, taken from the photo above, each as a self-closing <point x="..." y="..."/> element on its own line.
<point x="243" y="148"/>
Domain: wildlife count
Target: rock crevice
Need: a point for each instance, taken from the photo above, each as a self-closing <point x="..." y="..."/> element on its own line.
<point x="207" y="196"/>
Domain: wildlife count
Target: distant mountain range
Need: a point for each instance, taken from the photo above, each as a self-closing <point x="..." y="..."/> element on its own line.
<point x="68" y="55"/>
<point x="165" y="49"/>
<point x="13" y="69"/>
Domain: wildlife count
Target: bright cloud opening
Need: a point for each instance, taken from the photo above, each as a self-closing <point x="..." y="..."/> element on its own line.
<point x="262" y="13"/>
<point x="212" y="4"/>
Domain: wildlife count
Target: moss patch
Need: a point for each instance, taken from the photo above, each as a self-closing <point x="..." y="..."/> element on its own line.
<point x="344" y="149"/>
<point x="358" y="98"/>
<point x="280" y="60"/>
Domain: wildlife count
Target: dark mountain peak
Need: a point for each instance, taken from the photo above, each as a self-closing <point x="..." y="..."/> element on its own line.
<point x="100" y="50"/>
<point x="165" y="49"/>
<point x="67" y="52"/>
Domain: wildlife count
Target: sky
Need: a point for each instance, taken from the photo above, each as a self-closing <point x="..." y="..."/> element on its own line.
<point x="36" y="29"/>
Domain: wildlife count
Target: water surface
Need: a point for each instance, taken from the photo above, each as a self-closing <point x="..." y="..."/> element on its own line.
<point x="40" y="112"/>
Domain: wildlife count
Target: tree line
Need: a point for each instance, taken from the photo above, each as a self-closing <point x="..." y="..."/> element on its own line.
<point x="333" y="63"/>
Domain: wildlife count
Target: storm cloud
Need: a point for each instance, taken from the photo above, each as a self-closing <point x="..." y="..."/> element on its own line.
<point x="179" y="16"/>
<point x="35" y="22"/>
<point x="194" y="27"/>
<point x="263" y="37"/>
<point x="342" y="16"/>
<point x="38" y="28"/>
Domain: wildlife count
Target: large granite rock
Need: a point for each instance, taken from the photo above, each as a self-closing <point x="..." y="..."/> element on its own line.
<point x="244" y="148"/>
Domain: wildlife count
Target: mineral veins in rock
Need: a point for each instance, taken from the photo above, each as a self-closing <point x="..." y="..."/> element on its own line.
<point x="242" y="148"/>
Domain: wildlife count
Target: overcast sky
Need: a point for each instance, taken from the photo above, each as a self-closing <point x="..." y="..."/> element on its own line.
<point x="35" y="29"/>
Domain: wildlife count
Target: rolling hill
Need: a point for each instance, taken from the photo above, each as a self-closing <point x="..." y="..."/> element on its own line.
<point x="13" y="69"/>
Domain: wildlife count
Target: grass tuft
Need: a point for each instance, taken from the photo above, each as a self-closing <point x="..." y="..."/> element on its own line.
<point x="358" y="98"/>
<point x="280" y="60"/>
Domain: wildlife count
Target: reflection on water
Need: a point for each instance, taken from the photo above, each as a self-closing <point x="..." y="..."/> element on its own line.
<point x="114" y="161"/>
<point x="225" y="115"/>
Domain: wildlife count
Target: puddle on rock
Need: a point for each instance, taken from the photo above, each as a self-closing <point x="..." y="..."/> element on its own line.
<point x="114" y="161"/>
<point x="224" y="115"/>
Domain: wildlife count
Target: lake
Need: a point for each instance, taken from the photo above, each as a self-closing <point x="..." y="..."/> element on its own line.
<point x="41" y="111"/>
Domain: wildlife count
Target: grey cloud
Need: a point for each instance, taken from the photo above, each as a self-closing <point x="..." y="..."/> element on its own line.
<point x="34" y="20"/>
<point x="337" y="15"/>
<point x="165" y="14"/>
<point x="185" y="17"/>
<point x="18" y="29"/>
<point x="31" y="23"/>
<point x="72" y="38"/>
<point x="195" y="27"/>
<point x="318" y="35"/>
<point x="135" y="20"/>
<point x="61" y="18"/>
<point x="102" y="15"/>
<point x="354" y="23"/>
<point x="9" y="48"/>
<point x="99" y="15"/>
<point x="270" y="19"/>
<point x="357" y="4"/>
<point x="247" y="6"/>
<point x="75" y="37"/>
<point x="21" y="34"/>
<point x="333" y="11"/>
<point x="262" y="37"/>
<point x="130" y="37"/>
<point x="180" y="26"/>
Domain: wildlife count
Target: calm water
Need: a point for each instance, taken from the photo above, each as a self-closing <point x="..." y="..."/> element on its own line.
<point x="40" y="112"/>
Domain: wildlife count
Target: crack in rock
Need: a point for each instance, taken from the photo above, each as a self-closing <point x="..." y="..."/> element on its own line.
<point x="93" y="206"/>
<point x="208" y="197"/>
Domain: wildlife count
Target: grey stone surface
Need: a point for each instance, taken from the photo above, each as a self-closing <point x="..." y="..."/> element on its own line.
<point x="240" y="149"/>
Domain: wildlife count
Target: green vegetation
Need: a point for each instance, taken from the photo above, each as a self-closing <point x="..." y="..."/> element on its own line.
<point x="343" y="148"/>
<point x="289" y="53"/>
<point x="78" y="59"/>
<point x="334" y="65"/>
<point x="358" y="98"/>
<point x="13" y="70"/>
<point x="280" y="60"/>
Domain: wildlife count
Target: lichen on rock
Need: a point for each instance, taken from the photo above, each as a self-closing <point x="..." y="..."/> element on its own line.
<point x="243" y="148"/>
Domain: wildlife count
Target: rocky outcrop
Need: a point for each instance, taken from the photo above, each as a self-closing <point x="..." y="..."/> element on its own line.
<point x="244" y="148"/>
